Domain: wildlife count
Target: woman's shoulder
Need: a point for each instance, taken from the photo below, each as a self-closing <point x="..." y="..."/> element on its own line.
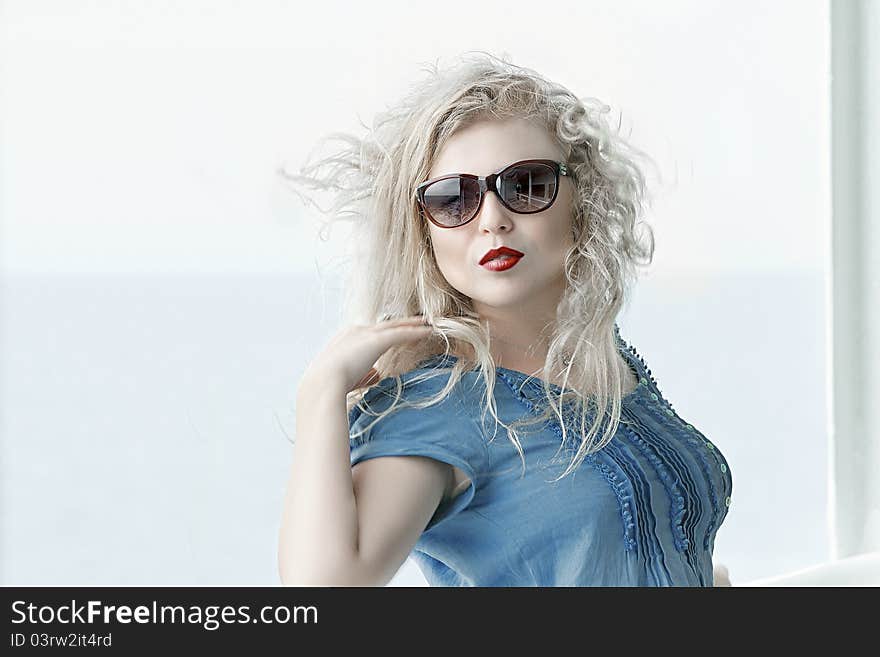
<point x="427" y="380"/>
<point x="420" y="408"/>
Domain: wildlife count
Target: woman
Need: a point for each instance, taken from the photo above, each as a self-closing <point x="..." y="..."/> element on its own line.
<point x="498" y="222"/>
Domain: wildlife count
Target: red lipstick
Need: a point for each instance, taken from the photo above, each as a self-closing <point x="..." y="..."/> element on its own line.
<point x="501" y="258"/>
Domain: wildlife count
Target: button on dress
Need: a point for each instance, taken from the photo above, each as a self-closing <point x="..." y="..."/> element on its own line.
<point x="642" y="511"/>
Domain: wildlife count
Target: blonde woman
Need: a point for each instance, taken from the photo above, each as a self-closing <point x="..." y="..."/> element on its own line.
<point x="483" y="415"/>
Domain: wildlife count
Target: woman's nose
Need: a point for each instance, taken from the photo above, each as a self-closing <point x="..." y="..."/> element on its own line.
<point x="493" y="215"/>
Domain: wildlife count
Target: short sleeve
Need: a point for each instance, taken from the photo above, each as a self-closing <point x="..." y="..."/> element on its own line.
<point x="444" y="431"/>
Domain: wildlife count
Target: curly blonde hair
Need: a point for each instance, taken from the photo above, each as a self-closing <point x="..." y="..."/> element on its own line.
<point x="373" y="181"/>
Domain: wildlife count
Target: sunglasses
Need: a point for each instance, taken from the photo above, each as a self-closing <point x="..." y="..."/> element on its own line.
<point x="524" y="187"/>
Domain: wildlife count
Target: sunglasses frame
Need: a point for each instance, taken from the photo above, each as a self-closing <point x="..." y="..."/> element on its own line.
<point x="490" y="183"/>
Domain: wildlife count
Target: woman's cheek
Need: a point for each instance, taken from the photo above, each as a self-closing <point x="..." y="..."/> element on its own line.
<point x="453" y="274"/>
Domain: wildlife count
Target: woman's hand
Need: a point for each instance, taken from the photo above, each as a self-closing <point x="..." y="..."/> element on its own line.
<point x="722" y="577"/>
<point x="346" y="362"/>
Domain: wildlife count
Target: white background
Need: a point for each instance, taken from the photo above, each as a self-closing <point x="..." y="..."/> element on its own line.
<point x="162" y="292"/>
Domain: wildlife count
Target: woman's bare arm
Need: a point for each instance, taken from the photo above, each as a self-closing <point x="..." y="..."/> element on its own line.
<point x="396" y="497"/>
<point x="721" y="576"/>
<point x="345" y="526"/>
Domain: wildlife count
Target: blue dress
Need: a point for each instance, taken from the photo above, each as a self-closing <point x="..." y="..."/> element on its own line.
<point x="642" y="511"/>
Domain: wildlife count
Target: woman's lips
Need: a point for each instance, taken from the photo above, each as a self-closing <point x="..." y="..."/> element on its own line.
<point x="501" y="262"/>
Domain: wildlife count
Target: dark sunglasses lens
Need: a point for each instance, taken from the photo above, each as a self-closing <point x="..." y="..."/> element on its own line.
<point x="529" y="187"/>
<point x="452" y="201"/>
